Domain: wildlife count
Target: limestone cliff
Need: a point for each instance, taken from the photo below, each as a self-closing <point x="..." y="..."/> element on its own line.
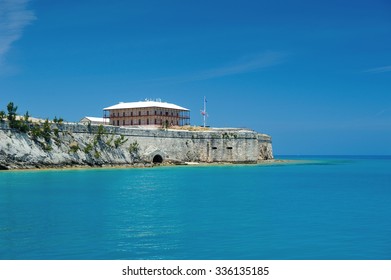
<point x="82" y="145"/>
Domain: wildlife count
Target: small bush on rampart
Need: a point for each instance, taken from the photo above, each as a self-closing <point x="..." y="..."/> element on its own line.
<point x="88" y="148"/>
<point x="134" y="148"/>
<point x="120" y="141"/>
<point x="74" y="147"/>
<point x="101" y="131"/>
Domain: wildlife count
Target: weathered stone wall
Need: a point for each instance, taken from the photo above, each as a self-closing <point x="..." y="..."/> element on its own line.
<point x="265" y="147"/>
<point x="79" y="144"/>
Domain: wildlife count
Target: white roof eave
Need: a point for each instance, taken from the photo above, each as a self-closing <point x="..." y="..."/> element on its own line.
<point x="145" y="104"/>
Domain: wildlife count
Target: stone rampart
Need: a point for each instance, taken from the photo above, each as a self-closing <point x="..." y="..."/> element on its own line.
<point x="79" y="144"/>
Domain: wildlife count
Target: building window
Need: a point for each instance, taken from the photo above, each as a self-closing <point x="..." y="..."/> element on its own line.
<point x="131" y="114"/>
<point x="155" y="121"/>
<point x="155" y="113"/>
<point x="139" y="113"/>
<point x="118" y="114"/>
<point x="166" y="113"/>
<point x="161" y="113"/>
<point x="117" y="122"/>
<point x="123" y="122"/>
<point x="131" y="122"/>
<point x="139" y="122"/>
<point x="113" y="122"/>
<point x="147" y="113"/>
<point x="123" y="114"/>
<point x="147" y="121"/>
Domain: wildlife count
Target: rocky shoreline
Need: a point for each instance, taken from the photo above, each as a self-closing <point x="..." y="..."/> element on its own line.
<point x="143" y="165"/>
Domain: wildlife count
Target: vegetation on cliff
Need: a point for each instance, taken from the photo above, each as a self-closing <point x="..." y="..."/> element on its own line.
<point x="51" y="139"/>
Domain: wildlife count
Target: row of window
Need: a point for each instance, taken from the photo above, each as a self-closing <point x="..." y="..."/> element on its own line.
<point x="139" y="122"/>
<point x="139" y="114"/>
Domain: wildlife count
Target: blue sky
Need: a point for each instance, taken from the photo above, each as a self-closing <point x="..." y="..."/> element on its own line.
<point x="315" y="75"/>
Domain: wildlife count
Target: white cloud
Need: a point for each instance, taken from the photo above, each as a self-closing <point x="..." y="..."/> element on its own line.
<point x="245" y="64"/>
<point x="14" y="16"/>
<point x="379" y="69"/>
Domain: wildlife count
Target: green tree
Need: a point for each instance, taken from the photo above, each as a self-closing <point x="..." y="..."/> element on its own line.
<point x="12" y="109"/>
<point x="24" y="125"/>
<point x="11" y="116"/>
<point x="58" y="121"/>
<point x="2" y="115"/>
<point x="46" y="131"/>
<point x="26" y="117"/>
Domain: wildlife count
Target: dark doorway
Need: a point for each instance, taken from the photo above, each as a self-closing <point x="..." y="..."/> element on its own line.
<point x="157" y="159"/>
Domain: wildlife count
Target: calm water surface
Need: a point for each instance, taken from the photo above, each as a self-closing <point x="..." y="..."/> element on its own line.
<point x="321" y="208"/>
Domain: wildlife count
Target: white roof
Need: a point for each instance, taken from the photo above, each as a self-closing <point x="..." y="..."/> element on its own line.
<point x="94" y="119"/>
<point x="145" y="104"/>
<point x="34" y="120"/>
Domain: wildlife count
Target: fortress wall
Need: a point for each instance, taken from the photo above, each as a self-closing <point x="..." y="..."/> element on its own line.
<point x="19" y="150"/>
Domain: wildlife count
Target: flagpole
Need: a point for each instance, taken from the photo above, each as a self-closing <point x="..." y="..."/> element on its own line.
<point x="204" y="111"/>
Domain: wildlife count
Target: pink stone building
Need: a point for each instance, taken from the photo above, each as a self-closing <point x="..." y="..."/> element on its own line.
<point x="147" y="113"/>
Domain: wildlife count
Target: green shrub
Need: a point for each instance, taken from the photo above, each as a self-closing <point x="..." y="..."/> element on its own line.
<point x="134" y="147"/>
<point x="36" y="131"/>
<point x="2" y="115"/>
<point x="56" y="132"/>
<point x="46" y="131"/>
<point x="120" y="141"/>
<point x="58" y="120"/>
<point x="88" y="148"/>
<point x="100" y="133"/>
<point x="24" y="125"/>
<point x="74" y="147"/>
<point x="47" y="148"/>
<point x="108" y="142"/>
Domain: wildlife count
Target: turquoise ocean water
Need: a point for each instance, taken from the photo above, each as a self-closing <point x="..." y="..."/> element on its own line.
<point x="321" y="208"/>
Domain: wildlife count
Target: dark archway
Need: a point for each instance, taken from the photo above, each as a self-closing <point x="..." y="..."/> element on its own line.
<point x="157" y="159"/>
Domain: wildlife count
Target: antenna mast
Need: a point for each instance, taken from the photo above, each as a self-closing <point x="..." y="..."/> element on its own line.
<point x="204" y="113"/>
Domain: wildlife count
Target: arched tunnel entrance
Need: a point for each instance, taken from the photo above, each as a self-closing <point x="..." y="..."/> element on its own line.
<point x="157" y="159"/>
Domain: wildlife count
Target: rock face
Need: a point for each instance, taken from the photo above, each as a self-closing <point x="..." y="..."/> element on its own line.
<point x="91" y="145"/>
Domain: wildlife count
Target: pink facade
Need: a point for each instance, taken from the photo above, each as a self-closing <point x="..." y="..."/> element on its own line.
<point x="131" y="115"/>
